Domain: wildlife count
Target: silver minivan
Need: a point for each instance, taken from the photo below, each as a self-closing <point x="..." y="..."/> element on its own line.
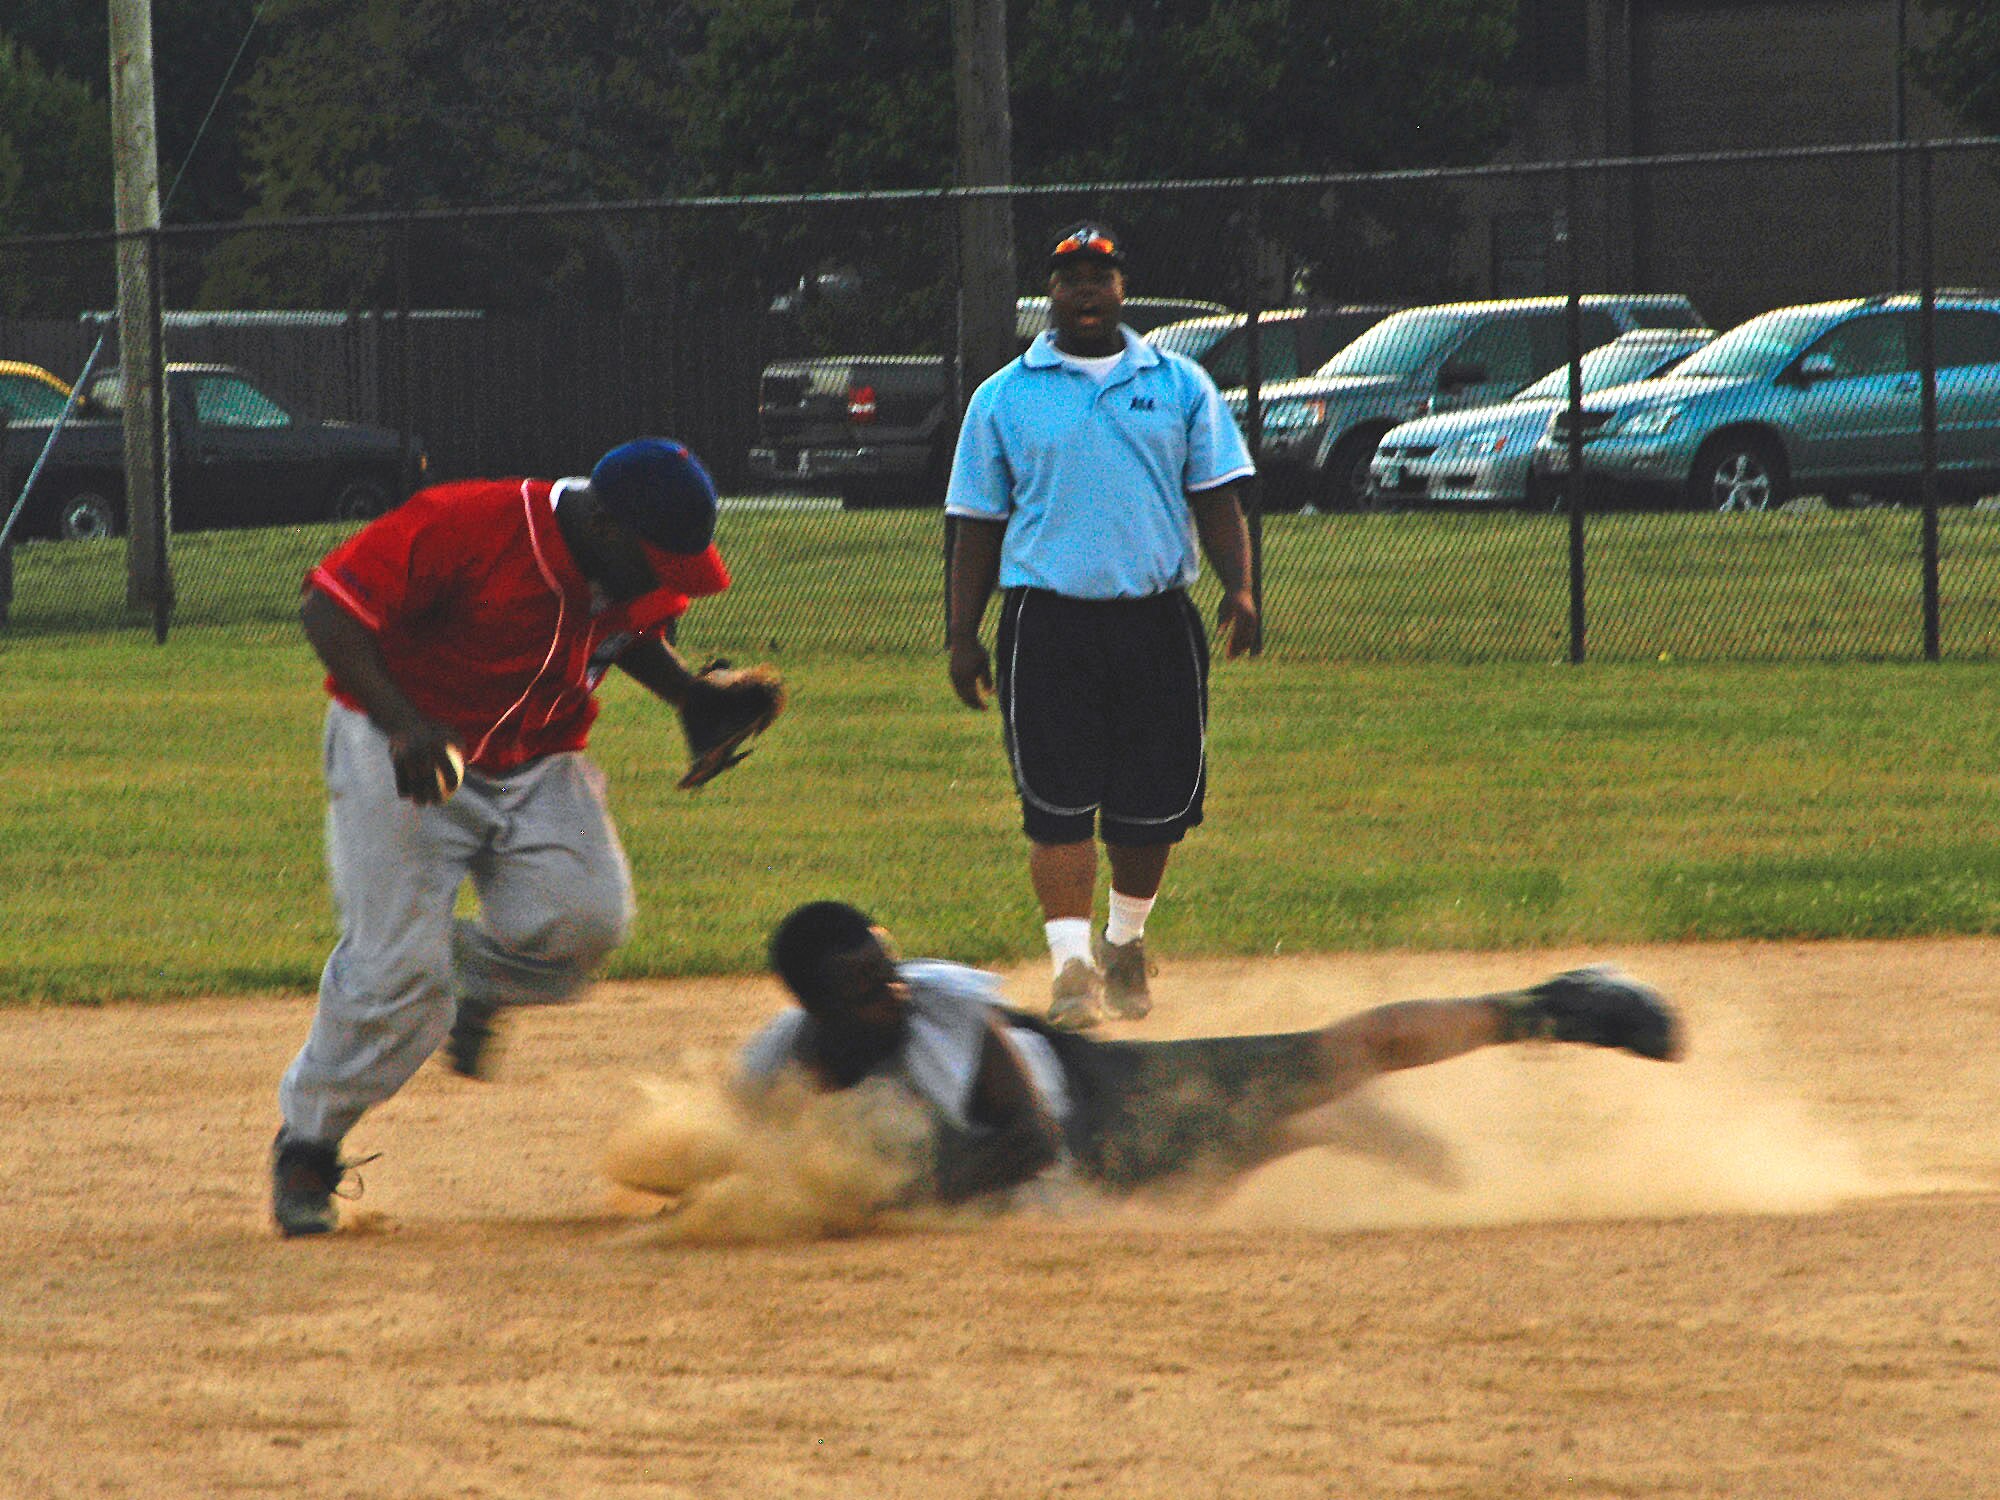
<point x="1320" y="431"/>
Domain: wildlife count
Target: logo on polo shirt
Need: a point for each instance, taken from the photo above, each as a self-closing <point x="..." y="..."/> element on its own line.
<point x="1142" y="403"/>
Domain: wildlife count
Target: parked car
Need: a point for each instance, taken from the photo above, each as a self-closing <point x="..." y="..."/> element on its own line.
<point x="1484" y="456"/>
<point x="1291" y="341"/>
<point x="240" y="458"/>
<point x="30" y="393"/>
<point x="1821" y="398"/>
<point x="879" y="429"/>
<point x="1319" y="432"/>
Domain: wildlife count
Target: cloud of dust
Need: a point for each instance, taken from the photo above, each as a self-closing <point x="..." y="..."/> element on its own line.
<point x="797" y="1165"/>
<point x="1505" y="1136"/>
<point x="1539" y="1133"/>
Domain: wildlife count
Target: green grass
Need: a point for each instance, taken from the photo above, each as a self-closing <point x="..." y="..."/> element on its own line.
<point x="1797" y="585"/>
<point x="160" y="807"/>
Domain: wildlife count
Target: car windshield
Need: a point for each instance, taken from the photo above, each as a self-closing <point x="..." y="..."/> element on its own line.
<point x="1758" y="347"/>
<point x="1614" y="364"/>
<point x="30" y="400"/>
<point x="1144" y="314"/>
<point x="1396" y="345"/>
<point x="1191" y="339"/>
<point x="107" y="393"/>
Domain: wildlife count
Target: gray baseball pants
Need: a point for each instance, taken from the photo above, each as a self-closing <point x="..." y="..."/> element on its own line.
<point x="555" y="897"/>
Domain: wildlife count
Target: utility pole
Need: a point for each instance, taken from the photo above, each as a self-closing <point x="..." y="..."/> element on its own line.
<point x="135" y="164"/>
<point x="985" y="159"/>
<point x="1899" y="127"/>
<point x="985" y="225"/>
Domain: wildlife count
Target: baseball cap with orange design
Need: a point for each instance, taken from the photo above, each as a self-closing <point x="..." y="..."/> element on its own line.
<point x="1088" y="242"/>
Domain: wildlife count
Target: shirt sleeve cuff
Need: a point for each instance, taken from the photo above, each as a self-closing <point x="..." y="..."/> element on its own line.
<point x="327" y="584"/>
<point x="1231" y="477"/>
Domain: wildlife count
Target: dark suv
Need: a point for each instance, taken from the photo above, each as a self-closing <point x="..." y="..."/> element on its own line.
<point x="1291" y="341"/>
<point x="1320" y="432"/>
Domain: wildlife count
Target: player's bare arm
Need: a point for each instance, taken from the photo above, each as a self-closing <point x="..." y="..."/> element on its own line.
<point x="419" y="746"/>
<point x="658" y="668"/>
<point x="1225" y="541"/>
<point x="975" y="570"/>
<point x="1017" y="1138"/>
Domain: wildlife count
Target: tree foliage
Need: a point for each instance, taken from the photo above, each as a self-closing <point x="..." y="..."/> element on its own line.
<point x="802" y="94"/>
<point x="55" y="176"/>
<point x="799" y="95"/>
<point x="1179" y="88"/>
<point x="195" y="44"/>
<point x="1962" y="66"/>
<point x="390" y="105"/>
<point x="811" y="94"/>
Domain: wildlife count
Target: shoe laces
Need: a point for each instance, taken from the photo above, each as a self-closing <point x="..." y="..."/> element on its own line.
<point x="1120" y="957"/>
<point x="346" y="1174"/>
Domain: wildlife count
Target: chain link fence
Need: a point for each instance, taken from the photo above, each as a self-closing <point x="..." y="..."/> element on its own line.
<point x="1815" y="483"/>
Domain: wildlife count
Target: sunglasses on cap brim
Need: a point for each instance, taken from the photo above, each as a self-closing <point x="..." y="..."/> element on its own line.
<point x="1086" y="242"/>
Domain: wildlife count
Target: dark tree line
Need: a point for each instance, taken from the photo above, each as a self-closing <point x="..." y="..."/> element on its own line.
<point x="315" y="107"/>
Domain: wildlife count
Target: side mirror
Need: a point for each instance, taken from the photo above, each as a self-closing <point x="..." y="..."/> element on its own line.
<point x="1458" y="373"/>
<point x="1817" y="367"/>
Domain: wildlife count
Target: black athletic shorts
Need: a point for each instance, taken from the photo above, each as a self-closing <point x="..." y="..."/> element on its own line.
<point x="1144" y="1112"/>
<point x="1105" y="707"/>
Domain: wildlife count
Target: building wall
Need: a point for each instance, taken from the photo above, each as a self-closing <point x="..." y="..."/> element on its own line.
<point x="1675" y="77"/>
<point x="1709" y="76"/>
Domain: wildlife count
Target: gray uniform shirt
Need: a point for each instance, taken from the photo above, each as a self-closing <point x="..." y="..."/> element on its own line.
<point x="939" y="1060"/>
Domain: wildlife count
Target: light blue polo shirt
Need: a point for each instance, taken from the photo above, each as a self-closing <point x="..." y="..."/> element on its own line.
<point x="1092" y="479"/>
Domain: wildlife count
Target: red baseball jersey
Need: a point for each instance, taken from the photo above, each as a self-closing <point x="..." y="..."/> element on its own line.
<point x="486" y="622"/>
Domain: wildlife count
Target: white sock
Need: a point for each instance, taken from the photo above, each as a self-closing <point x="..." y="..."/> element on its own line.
<point x="1128" y="918"/>
<point x="1069" y="937"/>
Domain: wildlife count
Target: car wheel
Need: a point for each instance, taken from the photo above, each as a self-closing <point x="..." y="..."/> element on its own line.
<point x="360" y="500"/>
<point x="1739" y="473"/>
<point x="1281" y="491"/>
<point x="87" y="513"/>
<point x="1344" y="480"/>
<point x="875" y="496"/>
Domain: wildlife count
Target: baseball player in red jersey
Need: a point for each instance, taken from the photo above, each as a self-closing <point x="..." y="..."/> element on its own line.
<point x="474" y="623"/>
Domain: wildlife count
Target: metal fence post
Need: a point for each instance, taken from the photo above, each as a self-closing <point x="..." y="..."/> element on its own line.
<point x="6" y="541"/>
<point x="162" y="497"/>
<point x="1253" y="413"/>
<point x="955" y="368"/>
<point x="1573" y="332"/>
<point x="404" y="413"/>
<point x="1927" y="325"/>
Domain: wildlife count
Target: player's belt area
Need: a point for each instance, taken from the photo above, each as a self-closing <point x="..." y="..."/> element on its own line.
<point x="1136" y="602"/>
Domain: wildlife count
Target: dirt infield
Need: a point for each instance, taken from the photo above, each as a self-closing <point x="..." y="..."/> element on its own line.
<point x="1772" y="1271"/>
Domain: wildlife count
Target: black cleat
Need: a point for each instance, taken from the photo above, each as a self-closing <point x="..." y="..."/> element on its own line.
<point x="1600" y="1007"/>
<point x="304" y="1175"/>
<point x="470" y="1051"/>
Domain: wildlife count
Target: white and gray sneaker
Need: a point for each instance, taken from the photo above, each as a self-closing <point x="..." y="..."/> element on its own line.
<point x="1076" y="1000"/>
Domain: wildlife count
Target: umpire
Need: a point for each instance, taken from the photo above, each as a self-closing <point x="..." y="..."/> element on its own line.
<point x="1086" y="471"/>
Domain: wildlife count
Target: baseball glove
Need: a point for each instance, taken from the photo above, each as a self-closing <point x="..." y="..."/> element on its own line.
<point x="724" y="710"/>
